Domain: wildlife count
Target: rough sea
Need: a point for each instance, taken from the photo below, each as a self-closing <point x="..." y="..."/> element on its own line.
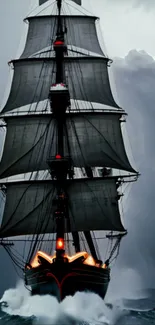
<point x="18" y="307"/>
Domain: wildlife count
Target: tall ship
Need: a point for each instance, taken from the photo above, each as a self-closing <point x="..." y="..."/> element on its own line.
<point x="64" y="162"/>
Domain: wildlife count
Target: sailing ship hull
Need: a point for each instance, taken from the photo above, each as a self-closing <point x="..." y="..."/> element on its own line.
<point x="64" y="279"/>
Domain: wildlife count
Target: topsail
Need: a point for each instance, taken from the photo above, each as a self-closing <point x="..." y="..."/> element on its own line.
<point x="81" y="33"/>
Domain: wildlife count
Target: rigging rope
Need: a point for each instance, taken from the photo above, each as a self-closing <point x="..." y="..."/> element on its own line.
<point x="15" y="263"/>
<point x="116" y="247"/>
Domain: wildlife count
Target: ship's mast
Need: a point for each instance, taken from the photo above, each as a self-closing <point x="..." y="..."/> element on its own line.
<point x="59" y="110"/>
<point x="59" y="165"/>
<point x="59" y="41"/>
<point x="59" y="4"/>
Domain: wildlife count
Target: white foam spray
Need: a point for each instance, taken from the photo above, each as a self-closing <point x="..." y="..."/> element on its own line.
<point x="84" y="308"/>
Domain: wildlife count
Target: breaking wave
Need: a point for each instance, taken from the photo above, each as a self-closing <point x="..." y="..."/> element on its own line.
<point x="19" y="307"/>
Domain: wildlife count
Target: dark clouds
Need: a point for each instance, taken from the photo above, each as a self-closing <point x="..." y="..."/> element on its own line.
<point x="135" y="82"/>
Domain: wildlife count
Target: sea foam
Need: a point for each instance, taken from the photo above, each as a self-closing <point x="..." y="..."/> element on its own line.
<point x="82" y="308"/>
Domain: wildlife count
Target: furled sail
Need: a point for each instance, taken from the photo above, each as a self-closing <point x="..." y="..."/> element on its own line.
<point x="93" y="205"/>
<point x="81" y="32"/>
<point x="79" y="2"/>
<point x="91" y="139"/>
<point x="41" y="2"/>
<point x="87" y="79"/>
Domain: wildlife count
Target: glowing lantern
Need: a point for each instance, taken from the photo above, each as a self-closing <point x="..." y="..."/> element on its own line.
<point x="58" y="42"/>
<point x="58" y="156"/>
<point x="60" y="244"/>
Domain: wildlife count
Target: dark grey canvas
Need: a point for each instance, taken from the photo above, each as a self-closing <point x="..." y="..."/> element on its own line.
<point x="95" y="139"/>
<point x="42" y="1"/>
<point x="93" y="205"/>
<point x="79" y="2"/>
<point x="87" y="79"/>
<point x="81" y="32"/>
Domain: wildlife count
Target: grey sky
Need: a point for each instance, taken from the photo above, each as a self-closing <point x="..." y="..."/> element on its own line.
<point x="149" y="4"/>
<point x="126" y="27"/>
<point x="12" y="14"/>
<point x="10" y="33"/>
<point x="124" y="30"/>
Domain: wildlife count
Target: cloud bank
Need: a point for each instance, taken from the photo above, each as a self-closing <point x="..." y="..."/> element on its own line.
<point x="135" y="83"/>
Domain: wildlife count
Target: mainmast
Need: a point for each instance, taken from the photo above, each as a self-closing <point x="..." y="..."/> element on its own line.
<point x="59" y="111"/>
<point x="59" y="164"/>
<point x="59" y="46"/>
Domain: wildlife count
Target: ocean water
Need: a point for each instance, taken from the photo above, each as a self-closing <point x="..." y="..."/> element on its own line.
<point x="82" y="309"/>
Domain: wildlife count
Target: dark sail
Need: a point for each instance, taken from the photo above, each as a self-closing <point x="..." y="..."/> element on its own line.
<point x="76" y="1"/>
<point x="85" y="77"/>
<point x="81" y="33"/>
<point x="41" y="2"/>
<point x="90" y="139"/>
<point x="28" y="208"/>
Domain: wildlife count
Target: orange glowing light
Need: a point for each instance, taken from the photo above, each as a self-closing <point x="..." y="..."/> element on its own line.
<point x="60" y="243"/>
<point x="88" y="259"/>
<point x="77" y="255"/>
<point x="35" y="262"/>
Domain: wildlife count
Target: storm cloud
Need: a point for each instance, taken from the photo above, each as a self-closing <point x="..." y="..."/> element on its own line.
<point x="135" y="83"/>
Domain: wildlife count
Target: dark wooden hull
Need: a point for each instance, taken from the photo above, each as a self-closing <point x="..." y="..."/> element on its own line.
<point x="64" y="279"/>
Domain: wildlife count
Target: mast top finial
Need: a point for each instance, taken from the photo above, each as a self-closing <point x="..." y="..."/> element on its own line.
<point x="59" y="3"/>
